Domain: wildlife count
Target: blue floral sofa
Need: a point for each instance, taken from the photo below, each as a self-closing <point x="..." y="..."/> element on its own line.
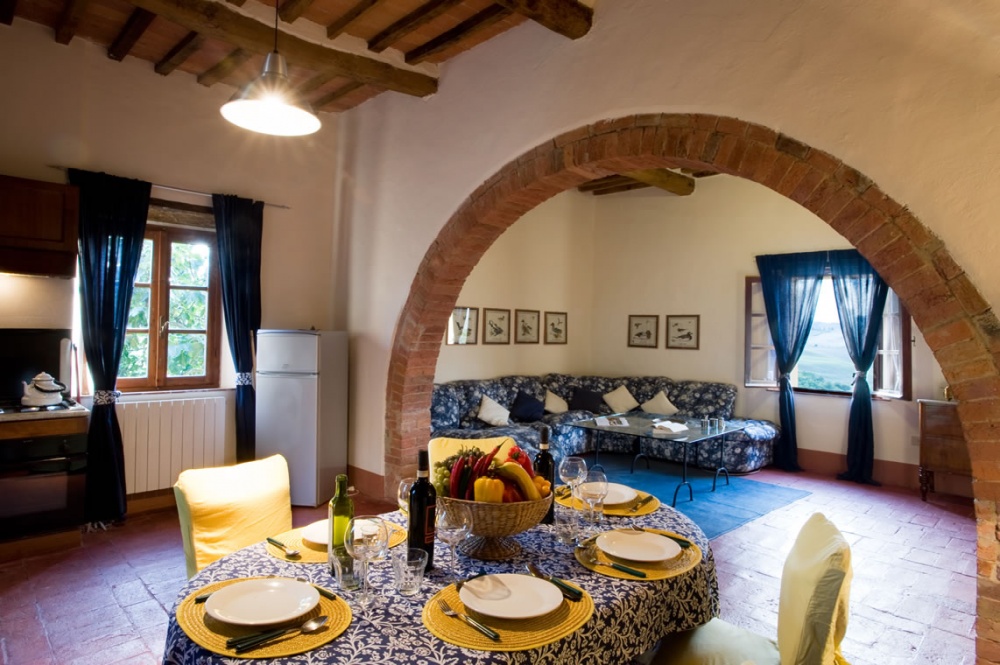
<point x="455" y="408"/>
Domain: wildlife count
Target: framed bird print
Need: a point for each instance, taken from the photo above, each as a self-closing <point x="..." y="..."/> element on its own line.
<point x="463" y="325"/>
<point x="526" y="326"/>
<point x="496" y="326"/>
<point x="555" y="327"/>
<point x="683" y="331"/>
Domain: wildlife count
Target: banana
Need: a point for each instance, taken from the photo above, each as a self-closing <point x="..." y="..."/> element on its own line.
<point x="516" y="472"/>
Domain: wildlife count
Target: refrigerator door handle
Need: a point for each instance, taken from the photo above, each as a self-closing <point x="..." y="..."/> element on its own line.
<point x="287" y="374"/>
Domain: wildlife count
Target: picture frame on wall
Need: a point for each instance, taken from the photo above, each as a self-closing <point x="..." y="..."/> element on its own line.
<point x="683" y="331"/>
<point x="644" y="330"/>
<point x="463" y="326"/>
<point x="526" y="326"/>
<point x="556" y="324"/>
<point x="496" y="326"/>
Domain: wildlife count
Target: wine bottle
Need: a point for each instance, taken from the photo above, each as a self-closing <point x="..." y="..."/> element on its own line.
<point x="545" y="467"/>
<point x="423" y="502"/>
<point x="340" y="512"/>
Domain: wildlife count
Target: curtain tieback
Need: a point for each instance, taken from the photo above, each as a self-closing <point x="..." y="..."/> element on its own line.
<point x="106" y="397"/>
<point x="244" y="378"/>
<point x="859" y="376"/>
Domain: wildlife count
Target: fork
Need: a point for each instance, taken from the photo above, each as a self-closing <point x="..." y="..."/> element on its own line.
<point x="591" y="556"/>
<point x="488" y="632"/>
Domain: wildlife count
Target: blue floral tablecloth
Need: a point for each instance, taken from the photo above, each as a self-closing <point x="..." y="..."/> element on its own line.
<point x="629" y="616"/>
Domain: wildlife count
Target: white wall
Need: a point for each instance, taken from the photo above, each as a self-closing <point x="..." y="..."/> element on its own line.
<point x="544" y="262"/>
<point x="663" y="254"/>
<point x="905" y="92"/>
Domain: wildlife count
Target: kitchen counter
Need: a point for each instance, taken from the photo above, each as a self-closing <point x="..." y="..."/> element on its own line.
<point x="75" y="411"/>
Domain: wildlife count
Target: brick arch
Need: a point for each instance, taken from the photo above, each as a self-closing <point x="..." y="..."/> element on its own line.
<point x="958" y="324"/>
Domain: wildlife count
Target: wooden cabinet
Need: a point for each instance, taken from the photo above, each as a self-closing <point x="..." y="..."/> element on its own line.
<point x="942" y="445"/>
<point x="38" y="227"/>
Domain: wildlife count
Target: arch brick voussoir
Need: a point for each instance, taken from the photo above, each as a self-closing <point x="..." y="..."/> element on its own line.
<point x="958" y="323"/>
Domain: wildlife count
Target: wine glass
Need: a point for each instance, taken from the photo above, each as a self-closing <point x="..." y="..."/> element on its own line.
<point x="572" y="471"/>
<point x="403" y="495"/>
<point x="452" y="524"/>
<point x="592" y="491"/>
<point x="366" y="539"/>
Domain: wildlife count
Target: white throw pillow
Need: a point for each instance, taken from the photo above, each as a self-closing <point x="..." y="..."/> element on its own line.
<point x="554" y="403"/>
<point x="660" y="404"/>
<point x="620" y="400"/>
<point x="493" y="413"/>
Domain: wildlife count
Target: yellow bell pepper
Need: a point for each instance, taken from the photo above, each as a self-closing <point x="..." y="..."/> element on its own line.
<point x="544" y="486"/>
<point x="488" y="489"/>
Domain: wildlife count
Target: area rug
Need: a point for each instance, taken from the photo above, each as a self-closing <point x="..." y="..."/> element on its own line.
<point x="729" y="507"/>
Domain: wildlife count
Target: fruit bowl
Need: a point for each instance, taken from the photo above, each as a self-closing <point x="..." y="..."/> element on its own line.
<point x="493" y="524"/>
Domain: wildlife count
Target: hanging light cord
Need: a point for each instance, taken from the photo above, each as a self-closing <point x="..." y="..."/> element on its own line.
<point x="276" y="25"/>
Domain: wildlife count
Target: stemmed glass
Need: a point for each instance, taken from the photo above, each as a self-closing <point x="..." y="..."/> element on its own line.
<point x="572" y="471"/>
<point x="592" y="491"/>
<point x="452" y="524"/>
<point x="366" y="538"/>
<point x="403" y="495"/>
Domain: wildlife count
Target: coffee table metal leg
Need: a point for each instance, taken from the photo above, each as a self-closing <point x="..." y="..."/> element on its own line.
<point x="684" y="478"/>
<point x="637" y="449"/>
<point x="597" y="449"/>
<point x="722" y="467"/>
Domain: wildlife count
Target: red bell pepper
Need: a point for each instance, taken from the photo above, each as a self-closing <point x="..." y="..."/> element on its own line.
<point x="515" y="454"/>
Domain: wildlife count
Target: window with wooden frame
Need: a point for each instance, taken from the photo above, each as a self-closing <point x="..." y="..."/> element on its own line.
<point x="172" y="338"/>
<point x="825" y="366"/>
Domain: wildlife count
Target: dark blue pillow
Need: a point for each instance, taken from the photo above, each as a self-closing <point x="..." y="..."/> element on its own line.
<point x="527" y="409"/>
<point x="586" y="400"/>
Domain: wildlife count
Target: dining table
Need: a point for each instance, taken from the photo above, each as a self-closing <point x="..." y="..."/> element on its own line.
<point x="620" y="619"/>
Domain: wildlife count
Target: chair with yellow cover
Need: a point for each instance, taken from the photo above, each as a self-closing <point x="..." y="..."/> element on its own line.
<point x="442" y="448"/>
<point x="226" y="508"/>
<point x="812" y="612"/>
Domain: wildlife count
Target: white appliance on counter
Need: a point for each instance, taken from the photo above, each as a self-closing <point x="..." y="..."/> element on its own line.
<point x="302" y="407"/>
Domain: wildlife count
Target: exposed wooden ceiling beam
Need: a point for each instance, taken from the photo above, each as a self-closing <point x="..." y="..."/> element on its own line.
<point x="409" y="23"/>
<point x="316" y="82"/>
<point x="181" y="51"/>
<point x="238" y="3"/>
<point x="567" y="17"/>
<point x="224" y="68"/>
<point x="354" y="12"/>
<point x="292" y="9"/>
<point x="7" y="9"/>
<point x="627" y="187"/>
<point x="675" y="183"/>
<point x="135" y="27"/>
<point x="70" y="20"/>
<point x="447" y="39"/>
<point x="333" y="96"/>
<point x="214" y="20"/>
<point x="605" y="182"/>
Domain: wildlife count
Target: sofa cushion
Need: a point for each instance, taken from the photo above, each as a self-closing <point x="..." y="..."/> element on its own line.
<point x="554" y="403"/>
<point x="659" y="404"/>
<point x="620" y="399"/>
<point x="527" y="408"/>
<point x="492" y="412"/>
<point x="586" y="400"/>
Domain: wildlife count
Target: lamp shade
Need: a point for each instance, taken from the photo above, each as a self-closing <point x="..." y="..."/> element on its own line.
<point x="270" y="105"/>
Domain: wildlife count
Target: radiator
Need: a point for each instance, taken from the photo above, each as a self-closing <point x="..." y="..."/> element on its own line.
<point x="161" y="438"/>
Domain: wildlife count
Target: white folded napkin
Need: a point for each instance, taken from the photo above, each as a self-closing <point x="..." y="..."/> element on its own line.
<point x="671" y="425"/>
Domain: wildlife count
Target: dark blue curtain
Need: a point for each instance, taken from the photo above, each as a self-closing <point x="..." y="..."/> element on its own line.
<point x="239" y="224"/>
<point x="113" y="214"/>
<point x="790" y="285"/>
<point x="861" y="295"/>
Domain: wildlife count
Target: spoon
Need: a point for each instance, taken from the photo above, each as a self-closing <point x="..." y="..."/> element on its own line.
<point x="291" y="554"/>
<point x="253" y="641"/>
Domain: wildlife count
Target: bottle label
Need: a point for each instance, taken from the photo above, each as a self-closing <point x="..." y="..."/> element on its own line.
<point x="429" y="523"/>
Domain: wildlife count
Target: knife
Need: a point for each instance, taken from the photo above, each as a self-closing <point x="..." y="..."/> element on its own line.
<point x="683" y="542"/>
<point x="568" y="591"/>
<point x="643" y="502"/>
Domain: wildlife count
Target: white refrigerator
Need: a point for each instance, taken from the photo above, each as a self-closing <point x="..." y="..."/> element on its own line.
<point x="302" y="408"/>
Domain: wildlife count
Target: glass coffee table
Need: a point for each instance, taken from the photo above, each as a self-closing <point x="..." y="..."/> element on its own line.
<point x="653" y="426"/>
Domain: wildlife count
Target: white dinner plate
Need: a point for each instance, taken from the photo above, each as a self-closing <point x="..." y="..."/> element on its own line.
<point x="317" y="533"/>
<point x="638" y="545"/>
<point x="262" y="602"/>
<point x="619" y="494"/>
<point x="510" y="596"/>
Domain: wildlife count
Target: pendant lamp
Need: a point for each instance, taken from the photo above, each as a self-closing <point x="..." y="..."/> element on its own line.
<point x="269" y="104"/>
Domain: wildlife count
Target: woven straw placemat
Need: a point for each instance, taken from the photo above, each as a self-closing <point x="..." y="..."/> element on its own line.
<point x="660" y="570"/>
<point x="515" y="634"/>
<point x="617" y="510"/>
<point x="310" y="552"/>
<point x="211" y="634"/>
